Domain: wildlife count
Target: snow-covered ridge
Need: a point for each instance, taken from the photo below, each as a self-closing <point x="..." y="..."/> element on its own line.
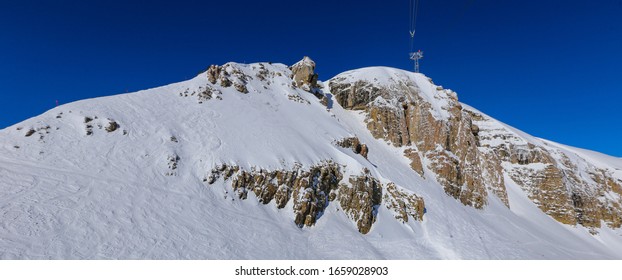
<point x="167" y="181"/>
<point x="240" y="129"/>
<point x="516" y="137"/>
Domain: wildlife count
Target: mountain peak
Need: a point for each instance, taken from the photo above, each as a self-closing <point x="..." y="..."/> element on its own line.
<point x="266" y="153"/>
<point x="306" y="61"/>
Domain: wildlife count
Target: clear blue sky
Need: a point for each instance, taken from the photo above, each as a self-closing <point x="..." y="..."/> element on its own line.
<point x="550" y="68"/>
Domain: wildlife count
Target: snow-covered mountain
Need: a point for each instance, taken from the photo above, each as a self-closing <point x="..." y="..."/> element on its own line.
<point x="263" y="161"/>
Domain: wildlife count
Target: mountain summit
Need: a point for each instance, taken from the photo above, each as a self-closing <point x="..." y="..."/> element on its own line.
<point x="264" y="161"/>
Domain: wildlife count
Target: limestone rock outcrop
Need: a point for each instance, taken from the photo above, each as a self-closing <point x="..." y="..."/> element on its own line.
<point x="406" y="205"/>
<point x="228" y="75"/>
<point x="571" y="190"/>
<point x="311" y="190"/>
<point x="303" y="74"/>
<point x="213" y="73"/>
<point x="398" y="112"/>
<point x="472" y="155"/>
<point x="361" y="200"/>
<point x="415" y="160"/>
<point x="355" y="144"/>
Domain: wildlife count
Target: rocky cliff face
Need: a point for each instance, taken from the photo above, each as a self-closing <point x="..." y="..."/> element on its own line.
<point x="465" y="151"/>
<point x="303" y="74"/>
<point x="311" y="190"/>
<point x="406" y="205"/>
<point x="444" y="135"/>
<point x="562" y="184"/>
<point x="470" y="154"/>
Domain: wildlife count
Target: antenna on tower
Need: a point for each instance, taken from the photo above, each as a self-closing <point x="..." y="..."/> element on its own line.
<point x="415" y="56"/>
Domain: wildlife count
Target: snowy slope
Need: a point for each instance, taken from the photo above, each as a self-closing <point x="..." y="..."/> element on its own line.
<point x="138" y="192"/>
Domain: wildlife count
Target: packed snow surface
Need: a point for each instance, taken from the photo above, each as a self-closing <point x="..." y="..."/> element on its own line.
<point x="113" y="195"/>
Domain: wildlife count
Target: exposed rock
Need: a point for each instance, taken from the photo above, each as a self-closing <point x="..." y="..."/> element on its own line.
<point x="112" y="126"/>
<point x="262" y="73"/>
<point x="415" y="160"/>
<point x="550" y="179"/>
<point x="311" y="190"/>
<point x="173" y="160"/>
<point x="213" y="73"/>
<point x="208" y="93"/>
<point x="455" y="179"/>
<point x="474" y="129"/>
<point x="542" y="185"/>
<point x="403" y="203"/>
<point x="351" y="143"/>
<point x="225" y="82"/>
<point x="30" y="132"/>
<point x="493" y="173"/>
<point x="311" y="193"/>
<point x="360" y="201"/>
<point x="364" y="150"/>
<point x="298" y="98"/>
<point x="355" y="144"/>
<point x="398" y="114"/>
<point x="226" y="75"/>
<point x="303" y="74"/>
<point x="240" y="87"/>
<point x="354" y="96"/>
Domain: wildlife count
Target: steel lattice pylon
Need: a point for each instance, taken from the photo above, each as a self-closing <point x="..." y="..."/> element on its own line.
<point x="416" y="56"/>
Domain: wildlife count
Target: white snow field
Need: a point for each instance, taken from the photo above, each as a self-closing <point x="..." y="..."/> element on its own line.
<point x="114" y="195"/>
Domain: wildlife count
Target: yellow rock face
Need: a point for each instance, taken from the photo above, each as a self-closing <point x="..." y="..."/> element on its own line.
<point x="404" y="204"/>
<point x="557" y="184"/>
<point x="470" y="154"/>
<point x="450" y="146"/>
<point x="303" y="73"/>
<point x="360" y="199"/>
<point x="415" y="160"/>
<point x="311" y="190"/>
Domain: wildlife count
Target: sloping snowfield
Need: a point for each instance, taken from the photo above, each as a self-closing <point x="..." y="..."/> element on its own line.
<point x="68" y="194"/>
